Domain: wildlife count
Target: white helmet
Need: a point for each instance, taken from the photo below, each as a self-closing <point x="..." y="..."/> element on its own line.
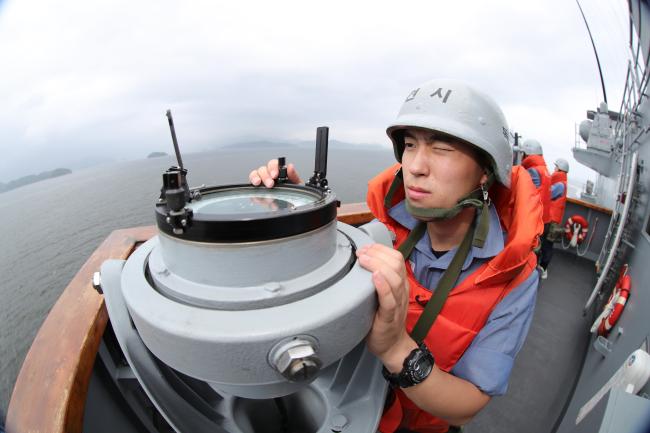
<point x="532" y="147"/>
<point x="562" y="164"/>
<point x="454" y="108"/>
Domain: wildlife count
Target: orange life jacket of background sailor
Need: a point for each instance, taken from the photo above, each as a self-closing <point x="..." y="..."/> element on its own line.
<point x="470" y="303"/>
<point x="537" y="162"/>
<point x="558" y="205"/>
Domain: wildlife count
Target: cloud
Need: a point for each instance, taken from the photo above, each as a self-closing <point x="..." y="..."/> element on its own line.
<point x="92" y="80"/>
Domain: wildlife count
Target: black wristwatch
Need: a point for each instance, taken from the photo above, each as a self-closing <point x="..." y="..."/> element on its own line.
<point x="417" y="367"/>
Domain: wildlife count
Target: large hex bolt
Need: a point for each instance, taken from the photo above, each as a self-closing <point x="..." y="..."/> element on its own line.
<point x="296" y="359"/>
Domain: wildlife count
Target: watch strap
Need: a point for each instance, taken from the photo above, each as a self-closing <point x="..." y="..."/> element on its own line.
<point x="405" y="378"/>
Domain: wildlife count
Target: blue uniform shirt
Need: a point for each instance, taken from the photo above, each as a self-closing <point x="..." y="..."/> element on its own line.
<point x="557" y="190"/>
<point x="489" y="359"/>
<point x="534" y="175"/>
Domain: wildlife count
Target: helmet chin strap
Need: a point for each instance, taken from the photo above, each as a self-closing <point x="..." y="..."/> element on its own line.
<point x="478" y="199"/>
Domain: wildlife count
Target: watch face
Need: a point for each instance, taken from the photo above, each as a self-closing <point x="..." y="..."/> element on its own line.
<point x="420" y="366"/>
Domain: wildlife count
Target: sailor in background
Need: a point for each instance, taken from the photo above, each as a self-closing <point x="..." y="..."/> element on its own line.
<point x="457" y="292"/>
<point x="533" y="161"/>
<point x="558" y="203"/>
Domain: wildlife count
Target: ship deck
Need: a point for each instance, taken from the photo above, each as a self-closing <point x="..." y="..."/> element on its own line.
<point x="549" y="362"/>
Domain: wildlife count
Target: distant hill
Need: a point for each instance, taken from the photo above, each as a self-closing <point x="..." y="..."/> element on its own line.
<point x="157" y="154"/>
<point x="259" y="144"/>
<point x="32" y="178"/>
<point x="332" y="144"/>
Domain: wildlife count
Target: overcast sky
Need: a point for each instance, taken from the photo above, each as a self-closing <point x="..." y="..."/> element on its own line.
<point x="84" y="81"/>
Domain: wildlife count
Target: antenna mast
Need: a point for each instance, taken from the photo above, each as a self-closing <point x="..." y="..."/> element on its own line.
<point x="600" y="71"/>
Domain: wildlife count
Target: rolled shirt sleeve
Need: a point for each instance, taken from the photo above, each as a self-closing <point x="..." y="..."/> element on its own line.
<point x="557" y="190"/>
<point x="488" y="361"/>
<point x="534" y="175"/>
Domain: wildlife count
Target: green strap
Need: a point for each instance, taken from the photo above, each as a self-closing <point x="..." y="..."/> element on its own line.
<point x="480" y="234"/>
<point x="483" y="227"/>
<point x="446" y="283"/>
<point x="394" y="186"/>
<point x="409" y="243"/>
<point x="471" y="200"/>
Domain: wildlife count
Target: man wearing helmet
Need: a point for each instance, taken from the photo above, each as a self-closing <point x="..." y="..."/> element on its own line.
<point x="558" y="203"/>
<point x="457" y="293"/>
<point x="534" y="162"/>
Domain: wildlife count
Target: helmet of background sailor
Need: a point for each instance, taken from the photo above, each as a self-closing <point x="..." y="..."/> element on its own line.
<point x="532" y="147"/>
<point x="562" y="164"/>
<point x="460" y="111"/>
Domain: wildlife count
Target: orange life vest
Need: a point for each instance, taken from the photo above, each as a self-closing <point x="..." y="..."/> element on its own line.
<point x="537" y="162"/>
<point x="558" y="205"/>
<point x="470" y="303"/>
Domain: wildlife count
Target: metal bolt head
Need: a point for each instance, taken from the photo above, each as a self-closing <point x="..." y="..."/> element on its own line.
<point x="301" y="370"/>
<point x="97" y="282"/>
<point x="338" y="423"/>
<point x="298" y="362"/>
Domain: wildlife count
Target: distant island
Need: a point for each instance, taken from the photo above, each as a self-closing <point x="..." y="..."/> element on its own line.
<point x="157" y="154"/>
<point x="32" y="178"/>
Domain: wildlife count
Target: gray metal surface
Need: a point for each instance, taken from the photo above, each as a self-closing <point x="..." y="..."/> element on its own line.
<point x="598" y="133"/>
<point x="178" y="412"/>
<point x="269" y="271"/>
<point x="230" y="264"/>
<point x="230" y="348"/>
<point x="377" y="231"/>
<point x="625" y="410"/>
<point x="349" y="394"/>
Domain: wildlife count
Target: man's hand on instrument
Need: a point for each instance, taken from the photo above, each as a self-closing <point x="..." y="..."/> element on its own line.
<point x="388" y="330"/>
<point x="267" y="174"/>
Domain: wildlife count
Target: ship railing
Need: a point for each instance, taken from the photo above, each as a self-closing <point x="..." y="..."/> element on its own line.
<point x="627" y="134"/>
<point x="636" y="82"/>
<point x="616" y="240"/>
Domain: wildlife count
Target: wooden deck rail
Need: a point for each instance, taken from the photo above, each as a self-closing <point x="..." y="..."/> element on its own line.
<point x="50" y="393"/>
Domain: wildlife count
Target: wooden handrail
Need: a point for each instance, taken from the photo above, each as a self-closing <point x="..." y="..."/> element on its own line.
<point x="50" y="392"/>
<point x="355" y="214"/>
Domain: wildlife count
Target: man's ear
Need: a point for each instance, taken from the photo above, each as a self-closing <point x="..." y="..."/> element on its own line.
<point x="484" y="178"/>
